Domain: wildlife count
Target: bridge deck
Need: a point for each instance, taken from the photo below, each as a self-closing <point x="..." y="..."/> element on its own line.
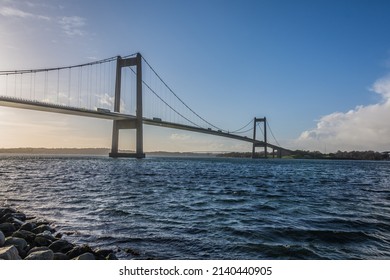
<point x="209" y="131"/>
<point x="62" y="109"/>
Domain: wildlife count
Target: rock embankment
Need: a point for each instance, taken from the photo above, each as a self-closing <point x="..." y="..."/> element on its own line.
<point x="28" y="238"/>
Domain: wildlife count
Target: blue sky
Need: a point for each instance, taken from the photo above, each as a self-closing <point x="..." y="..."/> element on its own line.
<point x="318" y="70"/>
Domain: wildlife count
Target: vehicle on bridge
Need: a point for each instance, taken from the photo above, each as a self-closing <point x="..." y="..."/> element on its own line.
<point x="103" y="110"/>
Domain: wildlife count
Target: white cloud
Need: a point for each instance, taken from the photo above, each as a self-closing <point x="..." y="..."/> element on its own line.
<point x="13" y="12"/>
<point x="179" y="137"/>
<point x="363" y="128"/>
<point x="106" y="100"/>
<point x="72" y="26"/>
<point x="382" y="87"/>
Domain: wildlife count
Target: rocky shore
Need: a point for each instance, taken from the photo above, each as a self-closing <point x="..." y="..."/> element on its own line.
<point x="29" y="238"/>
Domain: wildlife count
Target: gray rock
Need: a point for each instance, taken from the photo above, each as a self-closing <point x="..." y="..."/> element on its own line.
<point x="2" y="238"/>
<point x="40" y="222"/>
<point x="79" y="250"/>
<point x="17" y="223"/>
<point x="26" y="235"/>
<point x="9" y="253"/>
<point x="61" y="246"/>
<point x="41" y="255"/>
<point x="48" y="235"/>
<point x="103" y="253"/>
<point x="37" y="249"/>
<point x="19" y="243"/>
<point x="19" y="216"/>
<point x="111" y="257"/>
<point x="27" y="226"/>
<point x="41" y="241"/>
<point x="7" y="228"/>
<point x="60" y="256"/>
<point x="4" y="212"/>
<point x="85" y="257"/>
<point x="42" y="228"/>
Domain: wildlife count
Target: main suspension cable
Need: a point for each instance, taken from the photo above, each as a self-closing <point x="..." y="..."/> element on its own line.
<point x="155" y="93"/>
<point x="245" y="126"/>
<point x="6" y="72"/>
<point x="272" y="133"/>
<point x="178" y="96"/>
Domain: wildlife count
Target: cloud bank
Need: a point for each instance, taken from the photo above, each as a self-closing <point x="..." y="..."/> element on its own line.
<point x="363" y="128"/>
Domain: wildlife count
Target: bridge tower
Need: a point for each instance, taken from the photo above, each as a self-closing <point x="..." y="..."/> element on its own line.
<point x="264" y="144"/>
<point x="128" y="124"/>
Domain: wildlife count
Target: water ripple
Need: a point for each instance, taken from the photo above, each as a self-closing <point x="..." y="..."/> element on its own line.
<point x="173" y="208"/>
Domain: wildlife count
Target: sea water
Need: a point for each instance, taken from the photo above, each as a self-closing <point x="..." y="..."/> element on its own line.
<point x="208" y="208"/>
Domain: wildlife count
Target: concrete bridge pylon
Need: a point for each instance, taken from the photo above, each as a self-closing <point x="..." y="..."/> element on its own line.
<point x="137" y="123"/>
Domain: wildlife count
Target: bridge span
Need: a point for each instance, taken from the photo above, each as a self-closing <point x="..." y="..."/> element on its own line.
<point x="120" y="120"/>
<point x="61" y="109"/>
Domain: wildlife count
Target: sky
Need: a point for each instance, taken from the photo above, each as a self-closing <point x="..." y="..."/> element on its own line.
<point x="318" y="70"/>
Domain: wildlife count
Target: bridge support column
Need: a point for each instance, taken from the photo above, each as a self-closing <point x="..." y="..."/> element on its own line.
<point x="264" y="144"/>
<point x="133" y="124"/>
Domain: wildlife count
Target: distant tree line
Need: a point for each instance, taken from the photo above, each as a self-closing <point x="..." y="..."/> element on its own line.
<point x="235" y="155"/>
<point x="352" y="155"/>
<point x="301" y="154"/>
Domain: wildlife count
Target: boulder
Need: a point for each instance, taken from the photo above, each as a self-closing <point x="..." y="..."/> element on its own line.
<point x="42" y="228"/>
<point x="19" y="243"/>
<point x="42" y="241"/>
<point x="27" y="226"/>
<point x="4" y="212"/>
<point x="37" y="249"/>
<point x="86" y="257"/>
<point x="60" y="256"/>
<point x="5" y="218"/>
<point x="61" y="246"/>
<point x="9" y="253"/>
<point x="16" y="222"/>
<point x="47" y="235"/>
<point x="111" y="257"/>
<point x="41" y="255"/>
<point x="19" y="216"/>
<point x="26" y="235"/>
<point x="103" y="252"/>
<point x="7" y="228"/>
<point x="79" y="250"/>
<point x="2" y="238"/>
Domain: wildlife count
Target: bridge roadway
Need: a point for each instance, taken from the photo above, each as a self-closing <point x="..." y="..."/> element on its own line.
<point x="63" y="109"/>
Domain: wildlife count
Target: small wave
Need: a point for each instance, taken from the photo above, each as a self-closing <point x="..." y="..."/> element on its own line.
<point x="265" y="207"/>
<point x="111" y="212"/>
<point x="279" y="251"/>
<point x="324" y="236"/>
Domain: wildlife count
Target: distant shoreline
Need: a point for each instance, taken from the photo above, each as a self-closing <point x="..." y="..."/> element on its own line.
<point x="56" y="151"/>
<point x="93" y="152"/>
<point x="298" y="154"/>
<point x="339" y="155"/>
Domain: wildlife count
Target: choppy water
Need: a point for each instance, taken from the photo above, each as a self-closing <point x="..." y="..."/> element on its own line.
<point x="180" y="208"/>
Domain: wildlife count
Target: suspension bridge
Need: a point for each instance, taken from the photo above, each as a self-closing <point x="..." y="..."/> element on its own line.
<point x="126" y="90"/>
